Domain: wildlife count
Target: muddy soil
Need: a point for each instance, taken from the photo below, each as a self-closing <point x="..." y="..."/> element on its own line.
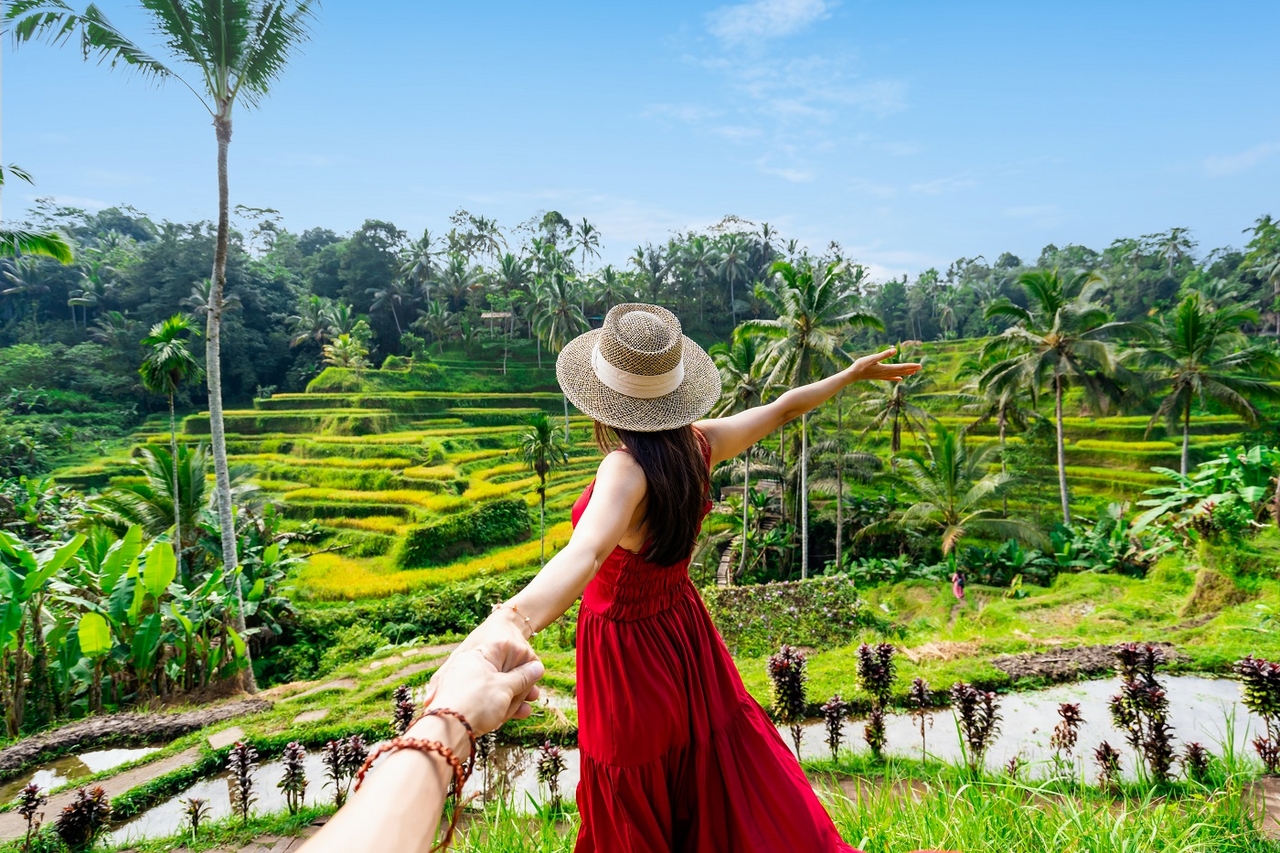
<point x="1065" y="664"/>
<point x="119" y="730"/>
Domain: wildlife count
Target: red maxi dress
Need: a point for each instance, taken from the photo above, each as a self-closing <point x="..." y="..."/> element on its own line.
<point x="676" y="757"/>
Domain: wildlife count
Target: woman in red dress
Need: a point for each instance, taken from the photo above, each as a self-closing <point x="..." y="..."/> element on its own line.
<point x="675" y="754"/>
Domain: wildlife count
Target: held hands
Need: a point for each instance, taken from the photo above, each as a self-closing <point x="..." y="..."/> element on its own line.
<point x="491" y="677"/>
<point x="489" y="684"/>
<point x="873" y="367"/>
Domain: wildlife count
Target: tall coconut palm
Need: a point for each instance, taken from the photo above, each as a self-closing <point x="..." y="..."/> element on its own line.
<point x="701" y="260"/>
<point x="418" y="264"/>
<point x="311" y="323"/>
<point x="1061" y="340"/>
<point x="391" y="296"/>
<point x="557" y="316"/>
<point x="742" y="378"/>
<point x="952" y="486"/>
<point x="235" y="51"/>
<point x="1199" y="354"/>
<point x="734" y="266"/>
<point x="167" y="366"/>
<point x="814" y="311"/>
<point x="586" y="237"/>
<point x="543" y="449"/>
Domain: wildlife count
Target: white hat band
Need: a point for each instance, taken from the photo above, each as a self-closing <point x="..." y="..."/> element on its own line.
<point x="635" y="384"/>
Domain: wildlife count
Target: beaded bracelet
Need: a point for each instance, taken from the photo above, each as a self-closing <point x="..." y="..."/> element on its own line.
<point x="471" y="733"/>
<point x="516" y="610"/>
<point x="460" y="775"/>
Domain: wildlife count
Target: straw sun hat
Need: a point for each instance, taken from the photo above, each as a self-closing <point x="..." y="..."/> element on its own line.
<point x="638" y="372"/>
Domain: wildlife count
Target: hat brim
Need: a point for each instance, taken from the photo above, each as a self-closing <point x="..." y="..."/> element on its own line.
<point x="696" y="396"/>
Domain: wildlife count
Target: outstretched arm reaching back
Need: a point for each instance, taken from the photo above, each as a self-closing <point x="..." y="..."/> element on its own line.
<point x="732" y="435"/>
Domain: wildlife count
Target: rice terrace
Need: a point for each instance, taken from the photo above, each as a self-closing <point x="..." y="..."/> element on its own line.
<point x="1026" y="598"/>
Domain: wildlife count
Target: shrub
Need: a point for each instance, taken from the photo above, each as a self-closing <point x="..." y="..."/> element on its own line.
<point x="241" y="762"/>
<point x="978" y="715"/>
<point x="294" y="780"/>
<point x="497" y="523"/>
<point x="1260" y="687"/>
<point x="353" y="643"/>
<point x="30" y="800"/>
<point x="402" y="710"/>
<point x="83" y="819"/>
<point x="834" y="710"/>
<point x="1195" y="762"/>
<point x="819" y="612"/>
<point x="875" y="671"/>
<point x="551" y="765"/>
<point x="787" y="674"/>
<point x="920" y="698"/>
<point x="1141" y="708"/>
<point x="1066" y="733"/>
<point x="196" y="811"/>
<point x="1108" y="758"/>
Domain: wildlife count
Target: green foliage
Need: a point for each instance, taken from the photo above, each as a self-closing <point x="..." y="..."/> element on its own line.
<point x="1221" y="497"/>
<point x="500" y="522"/>
<point x="351" y="643"/>
<point x="1111" y="544"/>
<point x="818" y="613"/>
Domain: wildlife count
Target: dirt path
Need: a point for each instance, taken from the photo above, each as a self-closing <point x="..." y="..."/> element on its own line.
<point x="120" y="730"/>
<point x="12" y="824"/>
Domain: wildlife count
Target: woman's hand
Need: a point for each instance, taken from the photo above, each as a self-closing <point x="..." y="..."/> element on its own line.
<point x="489" y="683"/>
<point x="503" y="630"/>
<point x="873" y="367"/>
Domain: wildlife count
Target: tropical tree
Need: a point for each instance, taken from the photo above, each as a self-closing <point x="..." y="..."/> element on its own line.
<point x="199" y="300"/>
<point x="557" y="316"/>
<point x="437" y="322"/>
<point x="543" y="448"/>
<point x="952" y="485"/>
<point x="1200" y="354"/>
<point x="236" y="51"/>
<point x="346" y="351"/>
<point x="312" y="322"/>
<point x="892" y="404"/>
<point x="1061" y="340"/>
<point x="418" y="263"/>
<point x="742" y="378"/>
<point x="586" y="237"/>
<point x="734" y="266"/>
<point x="391" y="296"/>
<point x="1263" y="259"/>
<point x="167" y="366"/>
<point x="814" y="309"/>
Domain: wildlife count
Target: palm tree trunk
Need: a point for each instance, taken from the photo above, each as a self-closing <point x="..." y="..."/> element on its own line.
<point x="895" y="441"/>
<point x="1186" y="437"/>
<point x="804" y="496"/>
<point x="1004" y="468"/>
<point x="746" y="502"/>
<point x="565" y="398"/>
<point x="177" y="490"/>
<point x="213" y="370"/>
<point x="542" y="522"/>
<point x="839" y="479"/>
<point x="1062" y="450"/>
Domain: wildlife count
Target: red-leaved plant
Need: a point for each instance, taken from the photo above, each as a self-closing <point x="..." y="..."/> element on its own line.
<point x="787" y="673"/>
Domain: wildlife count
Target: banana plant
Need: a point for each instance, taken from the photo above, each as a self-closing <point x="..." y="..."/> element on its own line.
<point x="25" y="574"/>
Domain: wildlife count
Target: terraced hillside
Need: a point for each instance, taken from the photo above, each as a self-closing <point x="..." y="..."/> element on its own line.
<point x="362" y="472"/>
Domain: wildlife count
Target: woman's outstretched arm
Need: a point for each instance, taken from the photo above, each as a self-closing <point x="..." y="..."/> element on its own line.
<point x="732" y="435"/>
<point x="619" y="489"/>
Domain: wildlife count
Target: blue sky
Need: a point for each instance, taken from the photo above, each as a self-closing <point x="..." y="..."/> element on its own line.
<point x="911" y="132"/>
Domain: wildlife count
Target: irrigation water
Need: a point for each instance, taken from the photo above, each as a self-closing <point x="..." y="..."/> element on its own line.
<point x="69" y="768"/>
<point x="1200" y="709"/>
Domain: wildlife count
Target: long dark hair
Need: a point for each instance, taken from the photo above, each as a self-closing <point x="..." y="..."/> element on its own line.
<point x="675" y="469"/>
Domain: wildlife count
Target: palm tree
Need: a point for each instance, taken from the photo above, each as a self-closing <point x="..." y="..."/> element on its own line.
<point x="1200" y="354"/>
<point x="557" y="316"/>
<point x="346" y="351"/>
<point x="1060" y="341"/>
<point x="951" y="485"/>
<point x="237" y="51"/>
<point x="198" y="301"/>
<point x="438" y="322"/>
<point x="814" y="312"/>
<point x="22" y="278"/>
<point x="457" y="279"/>
<point x="742" y="379"/>
<point x="890" y="404"/>
<point x="418" y="264"/>
<point x="1003" y="404"/>
<point x="312" y="322"/>
<point x="167" y="366"/>
<point x="734" y="266"/>
<point x="587" y="238"/>
<point x="542" y="448"/>
<point x="391" y="296"/>
<point x="701" y="260"/>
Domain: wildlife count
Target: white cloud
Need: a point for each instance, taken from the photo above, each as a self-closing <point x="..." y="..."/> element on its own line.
<point x="1234" y="164"/>
<point x="764" y="19"/>
<point x="690" y="113"/>
<point x="793" y="174"/>
<point x="949" y="184"/>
